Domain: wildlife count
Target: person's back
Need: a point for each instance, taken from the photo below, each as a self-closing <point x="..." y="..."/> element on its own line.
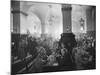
<point x="51" y="59"/>
<point x="66" y="59"/>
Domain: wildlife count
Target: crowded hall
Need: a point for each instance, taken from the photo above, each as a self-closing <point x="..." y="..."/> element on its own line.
<point x="51" y="37"/>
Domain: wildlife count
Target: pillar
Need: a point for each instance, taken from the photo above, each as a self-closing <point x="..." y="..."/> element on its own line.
<point x="15" y="35"/>
<point x="43" y="27"/>
<point x="15" y="6"/>
<point x="67" y="37"/>
<point x="91" y="20"/>
<point x="67" y="23"/>
<point x="43" y="34"/>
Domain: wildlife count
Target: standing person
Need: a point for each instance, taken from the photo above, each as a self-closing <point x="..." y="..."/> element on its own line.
<point x="39" y="61"/>
<point x="51" y="59"/>
<point x="22" y="51"/>
<point x="31" y="46"/>
<point x="66" y="59"/>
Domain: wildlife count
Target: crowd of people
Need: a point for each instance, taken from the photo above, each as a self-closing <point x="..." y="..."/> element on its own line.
<point x="50" y="52"/>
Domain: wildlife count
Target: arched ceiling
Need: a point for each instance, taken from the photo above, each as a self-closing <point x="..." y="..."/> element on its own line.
<point x="40" y="9"/>
<point x="43" y="11"/>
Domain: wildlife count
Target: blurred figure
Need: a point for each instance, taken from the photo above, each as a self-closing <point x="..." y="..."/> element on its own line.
<point x="23" y="51"/>
<point x="66" y="59"/>
<point x="39" y="61"/>
<point x="51" y="59"/>
<point x="22" y="48"/>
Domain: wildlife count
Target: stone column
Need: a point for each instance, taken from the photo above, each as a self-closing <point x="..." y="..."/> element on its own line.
<point x="67" y="37"/>
<point x="15" y="6"/>
<point x="67" y="23"/>
<point x="43" y="27"/>
<point x="91" y="21"/>
<point x="91" y="17"/>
